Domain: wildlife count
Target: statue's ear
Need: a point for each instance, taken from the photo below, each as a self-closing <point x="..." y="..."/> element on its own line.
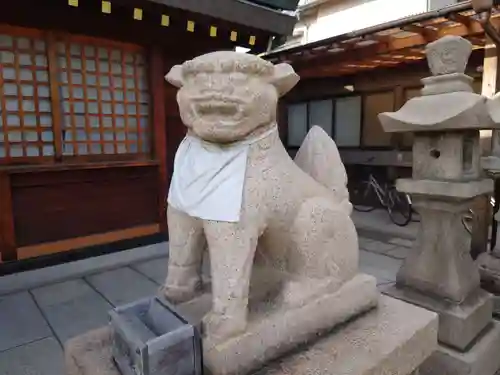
<point x="284" y="78"/>
<point x="174" y="77"/>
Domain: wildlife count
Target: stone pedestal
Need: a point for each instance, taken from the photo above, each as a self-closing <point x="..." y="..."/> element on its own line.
<point x="440" y="274"/>
<point x="395" y="339"/>
<point x="469" y="339"/>
<point x="273" y="332"/>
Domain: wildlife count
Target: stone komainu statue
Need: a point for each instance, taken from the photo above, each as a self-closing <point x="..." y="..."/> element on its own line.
<point x="283" y="248"/>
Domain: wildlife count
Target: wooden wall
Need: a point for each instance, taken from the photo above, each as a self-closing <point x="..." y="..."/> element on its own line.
<point x="380" y="90"/>
<point x="56" y="210"/>
<point x="58" y="206"/>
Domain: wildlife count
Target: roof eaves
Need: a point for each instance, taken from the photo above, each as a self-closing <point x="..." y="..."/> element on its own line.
<point x="239" y="11"/>
<point x="443" y="12"/>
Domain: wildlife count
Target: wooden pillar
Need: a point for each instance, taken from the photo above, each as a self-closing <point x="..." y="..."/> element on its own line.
<point x="8" y="248"/>
<point x="490" y="85"/>
<point x="399" y="101"/>
<point x="282" y="119"/>
<point x="159" y="129"/>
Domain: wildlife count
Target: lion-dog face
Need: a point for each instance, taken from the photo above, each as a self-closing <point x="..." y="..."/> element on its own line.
<point x="225" y="96"/>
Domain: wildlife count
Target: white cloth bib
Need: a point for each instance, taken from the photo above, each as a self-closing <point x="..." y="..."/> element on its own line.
<point x="208" y="179"/>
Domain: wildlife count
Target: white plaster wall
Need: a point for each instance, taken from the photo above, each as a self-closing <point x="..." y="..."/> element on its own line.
<point x="338" y="17"/>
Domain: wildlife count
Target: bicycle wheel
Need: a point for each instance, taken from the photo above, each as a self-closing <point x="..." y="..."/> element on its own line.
<point x="467" y="220"/>
<point x="399" y="207"/>
<point x="362" y="197"/>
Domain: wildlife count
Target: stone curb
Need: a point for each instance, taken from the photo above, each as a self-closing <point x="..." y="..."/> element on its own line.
<point x="372" y="231"/>
<point x="50" y="275"/>
<point x="62" y="272"/>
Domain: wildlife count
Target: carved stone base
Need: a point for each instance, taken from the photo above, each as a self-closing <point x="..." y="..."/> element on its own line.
<point x="459" y="324"/>
<point x="273" y="330"/>
<point x="481" y="359"/>
<point x="394" y="338"/>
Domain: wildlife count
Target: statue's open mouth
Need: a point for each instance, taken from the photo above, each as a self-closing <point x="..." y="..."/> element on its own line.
<point x="217" y="108"/>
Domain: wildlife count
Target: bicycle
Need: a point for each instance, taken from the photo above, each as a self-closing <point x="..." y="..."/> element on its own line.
<point x="397" y="204"/>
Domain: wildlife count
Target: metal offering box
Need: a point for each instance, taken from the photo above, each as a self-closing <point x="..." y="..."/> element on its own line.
<point x="151" y="338"/>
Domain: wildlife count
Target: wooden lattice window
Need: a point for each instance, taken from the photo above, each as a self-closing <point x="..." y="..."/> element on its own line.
<point x="104" y="99"/>
<point x="26" y="121"/>
<point x="65" y="97"/>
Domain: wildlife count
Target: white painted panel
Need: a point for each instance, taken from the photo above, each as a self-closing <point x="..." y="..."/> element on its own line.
<point x="297" y="124"/>
<point x="6" y="41"/>
<point x="335" y="18"/>
<point x="348" y="121"/>
<point x="321" y="114"/>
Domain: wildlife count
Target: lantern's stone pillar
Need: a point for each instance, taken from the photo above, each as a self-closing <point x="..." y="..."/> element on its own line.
<point x="439" y="274"/>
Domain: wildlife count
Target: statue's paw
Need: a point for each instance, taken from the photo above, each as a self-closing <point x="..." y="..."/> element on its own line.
<point x="297" y="293"/>
<point x="219" y="327"/>
<point x="177" y="294"/>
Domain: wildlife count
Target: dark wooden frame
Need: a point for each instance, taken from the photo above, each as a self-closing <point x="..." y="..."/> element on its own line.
<point x="51" y="38"/>
<point x="9" y="249"/>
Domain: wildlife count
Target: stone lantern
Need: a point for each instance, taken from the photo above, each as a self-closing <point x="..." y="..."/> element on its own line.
<point x="439" y="274"/>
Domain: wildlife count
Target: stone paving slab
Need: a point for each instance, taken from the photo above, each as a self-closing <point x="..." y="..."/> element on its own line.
<point x="399" y="252"/>
<point x="21" y="321"/>
<point x="43" y="357"/>
<point x="71" y="270"/>
<point x="382" y="267"/>
<point x="376" y="246"/>
<point x="72" y="307"/>
<point x="401" y="242"/>
<point x="379" y="221"/>
<point x="123" y="285"/>
<point x="363" y="242"/>
<point x="155" y="269"/>
<point x="78" y="305"/>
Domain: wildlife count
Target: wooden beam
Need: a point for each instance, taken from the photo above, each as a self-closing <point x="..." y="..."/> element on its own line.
<point x="55" y="100"/>
<point x="384" y="38"/>
<point x="374" y="61"/>
<point x="82" y="242"/>
<point x="399" y="101"/>
<point x="491" y="75"/>
<point x="387" y="46"/>
<point x="427" y="32"/>
<point x="490" y="85"/>
<point x="460" y="18"/>
<point x="8" y="245"/>
<point x="159" y="124"/>
<point x="360" y="53"/>
<point x="356" y="54"/>
<point x="385" y="63"/>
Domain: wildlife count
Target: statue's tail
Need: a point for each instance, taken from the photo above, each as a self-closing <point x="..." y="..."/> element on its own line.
<point x="319" y="157"/>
